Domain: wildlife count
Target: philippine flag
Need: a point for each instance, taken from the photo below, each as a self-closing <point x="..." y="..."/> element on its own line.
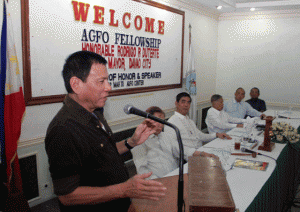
<point x="12" y="110"/>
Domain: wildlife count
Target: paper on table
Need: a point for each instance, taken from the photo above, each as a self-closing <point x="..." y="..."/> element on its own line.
<point x="223" y="154"/>
<point x="250" y="145"/>
<point x="289" y="114"/>
<point x="242" y="132"/>
<point x="239" y="132"/>
<point x="261" y="122"/>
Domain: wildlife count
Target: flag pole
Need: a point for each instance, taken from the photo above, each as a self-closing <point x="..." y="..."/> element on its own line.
<point x="191" y="79"/>
<point x="190" y="35"/>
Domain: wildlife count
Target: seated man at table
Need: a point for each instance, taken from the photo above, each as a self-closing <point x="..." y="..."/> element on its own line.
<point x="255" y="102"/>
<point x="239" y="109"/>
<point x="157" y="154"/>
<point x="218" y="120"/>
<point x="191" y="136"/>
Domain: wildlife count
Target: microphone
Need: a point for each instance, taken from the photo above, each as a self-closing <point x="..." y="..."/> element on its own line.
<point x="243" y="149"/>
<point x="129" y="109"/>
<point x="257" y="153"/>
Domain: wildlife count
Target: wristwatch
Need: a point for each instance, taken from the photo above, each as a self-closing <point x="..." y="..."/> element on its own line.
<point x="127" y="145"/>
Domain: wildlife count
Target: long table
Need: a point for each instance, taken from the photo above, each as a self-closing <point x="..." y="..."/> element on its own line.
<point x="278" y="192"/>
<point x="271" y="190"/>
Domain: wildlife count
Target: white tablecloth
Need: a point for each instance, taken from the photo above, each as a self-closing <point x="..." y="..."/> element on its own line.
<point x="245" y="183"/>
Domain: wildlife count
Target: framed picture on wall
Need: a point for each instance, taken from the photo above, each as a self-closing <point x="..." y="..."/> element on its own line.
<point x="142" y="42"/>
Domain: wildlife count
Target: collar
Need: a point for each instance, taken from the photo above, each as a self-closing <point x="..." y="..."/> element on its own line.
<point x="78" y="112"/>
<point x="81" y="115"/>
<point x="234" y="101"/>
<point x="254" y="100"/>
<point x="215" y="111"/>
<point x="181" y="116"/>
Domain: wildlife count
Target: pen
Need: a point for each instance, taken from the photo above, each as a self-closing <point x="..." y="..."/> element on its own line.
<point x="259" y="133"/>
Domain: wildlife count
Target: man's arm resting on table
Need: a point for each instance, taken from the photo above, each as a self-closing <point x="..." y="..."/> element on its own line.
<point x="237" y="121"/>
<point x="240" y="125"/>
<point x="135" y="187"/>
<point x="214" y="120"/>
<point x="262" y="116"/>
<point x="223" y="136"/>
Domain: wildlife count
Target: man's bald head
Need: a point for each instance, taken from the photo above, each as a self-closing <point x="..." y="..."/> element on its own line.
<point x="239" y="94"/>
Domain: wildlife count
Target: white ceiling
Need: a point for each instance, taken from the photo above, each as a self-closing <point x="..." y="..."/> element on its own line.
<point x="245" y="5"/>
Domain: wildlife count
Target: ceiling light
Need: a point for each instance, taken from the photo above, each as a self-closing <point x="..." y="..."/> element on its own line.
<point x="219" y="7"/>
<point x="252" y="9"/>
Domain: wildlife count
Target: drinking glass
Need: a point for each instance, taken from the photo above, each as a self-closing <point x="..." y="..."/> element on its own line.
<point x="237" y="143"/>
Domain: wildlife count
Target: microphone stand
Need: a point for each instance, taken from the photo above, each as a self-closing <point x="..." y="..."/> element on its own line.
<point x="180" y="180"/>
<point x="130" y="109"/>
<point x="181" y="153"/>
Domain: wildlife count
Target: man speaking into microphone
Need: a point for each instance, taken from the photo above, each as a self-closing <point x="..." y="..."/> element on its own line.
<point x="87" y="170"/>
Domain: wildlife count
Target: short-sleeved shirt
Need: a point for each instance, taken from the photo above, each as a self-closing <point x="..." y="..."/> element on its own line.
<point x="81" y="153"/>
<point x="257" y="104"/>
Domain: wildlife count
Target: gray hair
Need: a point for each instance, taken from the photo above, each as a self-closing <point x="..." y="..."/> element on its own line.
<point x="240" y="88"/>
<point x="215" y="97"/>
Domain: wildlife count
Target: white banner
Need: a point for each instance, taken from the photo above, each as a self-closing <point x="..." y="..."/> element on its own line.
<point x="142" y="43"/>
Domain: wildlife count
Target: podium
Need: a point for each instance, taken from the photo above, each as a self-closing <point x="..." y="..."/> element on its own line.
<point x="208" y="187"/>
<point x="166" y="203"/>
<point x="205" y="189"/>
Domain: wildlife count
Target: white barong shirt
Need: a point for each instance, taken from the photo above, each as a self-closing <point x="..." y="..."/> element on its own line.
<point x="220" y="121"/>
<point x="191" y="136"/>
<point x="156" y="154"/>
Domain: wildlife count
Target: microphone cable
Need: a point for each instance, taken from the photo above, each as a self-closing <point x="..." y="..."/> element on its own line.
<point x="258" y="153"/>
<point x="267" y="156"/>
